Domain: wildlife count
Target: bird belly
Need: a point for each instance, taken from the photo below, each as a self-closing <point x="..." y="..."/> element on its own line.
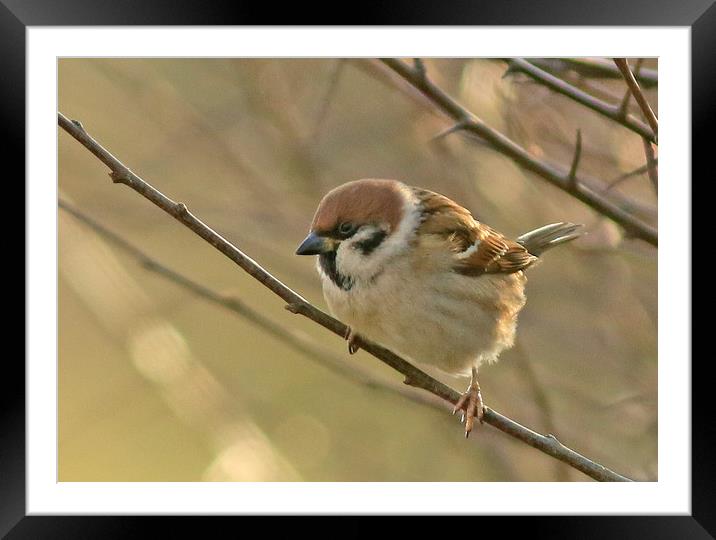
<point x="451" y="321"/>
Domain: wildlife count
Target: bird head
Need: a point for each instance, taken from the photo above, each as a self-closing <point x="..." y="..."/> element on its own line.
<point x="358" y="227"/>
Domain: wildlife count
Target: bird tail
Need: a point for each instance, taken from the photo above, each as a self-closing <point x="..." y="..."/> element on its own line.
<point x="544" y="238"/>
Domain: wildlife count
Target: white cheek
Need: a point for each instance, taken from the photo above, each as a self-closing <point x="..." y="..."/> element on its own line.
<point x="351" y="261"/>
<point x="362" y="268"/>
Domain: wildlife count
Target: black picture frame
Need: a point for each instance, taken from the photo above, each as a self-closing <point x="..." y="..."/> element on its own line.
<point x="700" y="15"/>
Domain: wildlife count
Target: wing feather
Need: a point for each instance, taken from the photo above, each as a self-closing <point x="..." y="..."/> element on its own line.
<point x="478" y="249"/>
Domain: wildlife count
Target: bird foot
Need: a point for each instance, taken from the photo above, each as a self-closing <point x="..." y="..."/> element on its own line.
<point x="353" y="341"/>
<point x="471" y="405"/>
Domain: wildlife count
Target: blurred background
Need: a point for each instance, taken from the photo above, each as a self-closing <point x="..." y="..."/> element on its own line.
<point x="158" y="384"/>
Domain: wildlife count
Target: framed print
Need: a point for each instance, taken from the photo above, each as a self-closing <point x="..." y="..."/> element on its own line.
<point x="277" y="258"/>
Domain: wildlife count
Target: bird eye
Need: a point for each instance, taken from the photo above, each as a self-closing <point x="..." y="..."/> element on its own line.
<point x="346" y="228"/>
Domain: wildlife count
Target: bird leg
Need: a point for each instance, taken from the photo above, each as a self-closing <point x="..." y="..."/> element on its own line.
<point x="471" y="404"/>
<point x="353" y="340"/>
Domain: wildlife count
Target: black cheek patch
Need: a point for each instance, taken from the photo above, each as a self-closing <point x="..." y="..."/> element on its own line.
<point x="368" y="245"/>
<point x="328" y="265"/>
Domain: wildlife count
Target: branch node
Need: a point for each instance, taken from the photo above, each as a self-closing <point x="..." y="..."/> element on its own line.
<point x="78" y="124"/>
<point x="409" y="381"/>
<point x="181" y="210"/>
<point x="120" y="177"/>
<point x="294" y="308"/>
<point x="554" y="440"/>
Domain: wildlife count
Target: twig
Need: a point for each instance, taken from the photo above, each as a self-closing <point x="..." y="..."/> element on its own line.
<point x="120" y="173"/>
<point x="623" y="107"/>
<point x="636" y="172"/>
<point x="613" y="112"/>
<point x="581" y="188"/>
<point x="639" y="96"/>
<point x="449" y="130"/>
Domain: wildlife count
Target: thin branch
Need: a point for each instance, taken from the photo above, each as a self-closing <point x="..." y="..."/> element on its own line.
<point x="594" y="68"/>
<point x="623" y="107"/>
<point x="619" y="179"/>
<point x="638" y="209"/>
<point x="330" y="92"/>
<point x="581" y="188"/>
<point x="120" y="173"/>
<point x="613" y="112"/>
<point x="639" y="97"/>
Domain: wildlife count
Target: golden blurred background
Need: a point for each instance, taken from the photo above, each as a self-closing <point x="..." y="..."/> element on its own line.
<point x="157" y="384"/>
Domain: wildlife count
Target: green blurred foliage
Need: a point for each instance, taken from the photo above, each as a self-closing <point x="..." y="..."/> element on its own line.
<point x="156" y="384"/>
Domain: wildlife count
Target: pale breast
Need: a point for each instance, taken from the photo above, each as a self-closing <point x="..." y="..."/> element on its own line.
<point x="432" y="315"/>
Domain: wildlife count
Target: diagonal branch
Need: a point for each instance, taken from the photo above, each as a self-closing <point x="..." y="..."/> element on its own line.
<point x="578" y="187"/>
<point x="639" y="96"/>
<point x="120" y="173"/>
<point x="613" y="112"/>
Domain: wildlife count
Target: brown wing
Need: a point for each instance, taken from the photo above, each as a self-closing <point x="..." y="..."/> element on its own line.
<point x="493" y="253"/>
<point x="478" y="248"/>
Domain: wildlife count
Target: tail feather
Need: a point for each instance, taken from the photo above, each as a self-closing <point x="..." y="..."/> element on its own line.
<point x="544" y="238"/>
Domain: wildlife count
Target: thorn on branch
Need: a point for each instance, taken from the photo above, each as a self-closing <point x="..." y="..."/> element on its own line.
<point x="78" y="124"/>
<point x="459" y="126"/>
<point x="572" y="177"/>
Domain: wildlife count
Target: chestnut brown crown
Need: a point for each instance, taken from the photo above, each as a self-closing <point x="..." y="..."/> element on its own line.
<point x="367" y="201"/>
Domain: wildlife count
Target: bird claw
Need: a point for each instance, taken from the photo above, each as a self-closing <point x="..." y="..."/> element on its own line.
<point x="352" y="339"/>
<point x="471" y="405"/>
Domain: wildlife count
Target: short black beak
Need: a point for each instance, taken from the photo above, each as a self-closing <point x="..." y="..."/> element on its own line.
<point x="313" y="245"/>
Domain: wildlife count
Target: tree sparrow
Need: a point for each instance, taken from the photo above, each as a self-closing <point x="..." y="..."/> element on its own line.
<point x="414" y="271"/>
